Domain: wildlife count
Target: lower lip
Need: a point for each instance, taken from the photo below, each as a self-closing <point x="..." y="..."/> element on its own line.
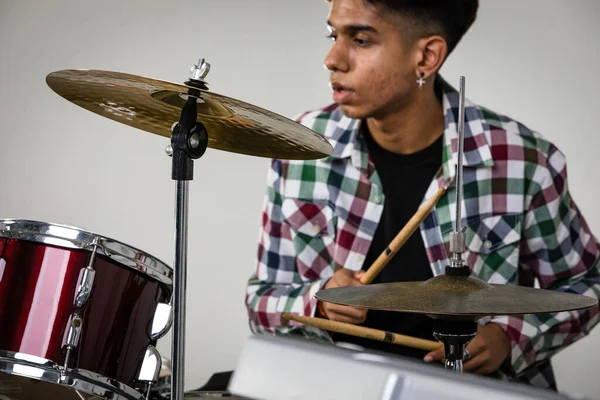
<point x="341" y="96"/>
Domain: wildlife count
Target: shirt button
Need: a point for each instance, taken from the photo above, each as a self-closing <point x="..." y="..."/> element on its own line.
<point x="316" y="228"/>
<point x="377" y="199"/>
<point x="487" y="244"/>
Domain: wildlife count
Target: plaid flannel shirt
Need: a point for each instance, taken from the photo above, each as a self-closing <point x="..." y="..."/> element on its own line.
<point x="522" y="226"/>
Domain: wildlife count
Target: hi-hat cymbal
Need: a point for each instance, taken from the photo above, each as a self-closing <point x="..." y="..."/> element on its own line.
<point x="456" y="297"/>
<point x="154" y="105"/>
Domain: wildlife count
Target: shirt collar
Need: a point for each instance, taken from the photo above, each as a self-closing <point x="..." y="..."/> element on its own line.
<point x="346" y="142"/>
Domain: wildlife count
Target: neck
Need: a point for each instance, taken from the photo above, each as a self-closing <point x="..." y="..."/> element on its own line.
<point x="412" y="127"/>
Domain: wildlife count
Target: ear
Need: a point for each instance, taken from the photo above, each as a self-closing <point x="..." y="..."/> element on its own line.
<point x="431" y="53"/>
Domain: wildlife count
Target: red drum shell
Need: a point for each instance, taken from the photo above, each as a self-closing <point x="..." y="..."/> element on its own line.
<point x="38" y="285"/>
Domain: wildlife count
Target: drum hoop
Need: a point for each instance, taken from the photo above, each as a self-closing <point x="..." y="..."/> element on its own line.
<point x="77" y="379"/>
<point x="77" y="238"/>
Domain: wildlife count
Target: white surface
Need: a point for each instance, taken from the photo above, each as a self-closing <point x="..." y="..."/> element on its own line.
<point x="280" y="369"/>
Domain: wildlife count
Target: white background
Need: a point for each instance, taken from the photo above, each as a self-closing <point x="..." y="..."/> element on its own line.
<point x="534" y="60"/>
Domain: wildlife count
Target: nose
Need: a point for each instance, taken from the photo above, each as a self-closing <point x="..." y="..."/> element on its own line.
<point x="336" y="59"/>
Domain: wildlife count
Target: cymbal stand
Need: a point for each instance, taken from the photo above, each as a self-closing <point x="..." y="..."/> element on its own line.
<point x="456" y="334"/>
<point x="188" y="142"/>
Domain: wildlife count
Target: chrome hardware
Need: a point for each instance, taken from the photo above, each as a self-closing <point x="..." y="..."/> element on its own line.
<point x="179" y="287"/>
<point x="199" y="71"/>
<point x="458" y="237"/>
<point x="74" y="332"/>
<point x="150" y="370"/>
<point x="194" y="140"/>
<point x="72" y="337"/>
<point x="162" y="321"/>
<point x="85" y="283"/>
<point x="458" y="245"/>
<point x="80" y="381"/>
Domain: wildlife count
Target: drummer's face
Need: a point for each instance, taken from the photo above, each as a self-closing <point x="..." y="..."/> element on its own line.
<point x="372" y="65"/>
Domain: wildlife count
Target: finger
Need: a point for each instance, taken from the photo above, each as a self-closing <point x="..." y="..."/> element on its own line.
<point x="437" y="354"/>
<point x="338" y="279"/>
<point x="349" y="312"/>
<point x="476" y="346"/>
<point x="476" y="362"/>
<point x="339" y="317"/>
<point x="343" y="281"/>
<point x="357" y="315"/>
<point x="359" y="274"/>
<point x="351" y="280"/>
<point x="344" y="318"/>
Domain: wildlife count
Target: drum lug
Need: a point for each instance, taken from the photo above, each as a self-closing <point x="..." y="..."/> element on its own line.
<point x="85" y="283"/>
<point x="162" y="321"/>
<point x="151" y="365"/>
<point x="72" y="337"/>
<point x="150" y="369"/>
<point x="74" y="332"/>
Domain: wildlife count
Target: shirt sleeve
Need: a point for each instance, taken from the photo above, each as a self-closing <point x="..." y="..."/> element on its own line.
<point x="291" y="266"/>
<point x="559" y="250"/>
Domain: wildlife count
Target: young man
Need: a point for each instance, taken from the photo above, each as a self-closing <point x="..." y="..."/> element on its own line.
<point x="394" y="131"/>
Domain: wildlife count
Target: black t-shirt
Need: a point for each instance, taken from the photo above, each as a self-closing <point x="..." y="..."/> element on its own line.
<point x="405" y="179"/>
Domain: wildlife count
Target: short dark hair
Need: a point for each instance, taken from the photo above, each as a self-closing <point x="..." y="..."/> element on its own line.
<point x="448" y="18"/>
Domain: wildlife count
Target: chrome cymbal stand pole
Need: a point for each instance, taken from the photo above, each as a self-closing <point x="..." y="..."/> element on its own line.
<point x="458" y="237"/>
<point x="188" y="142"/>
<point x="456" y="334"/>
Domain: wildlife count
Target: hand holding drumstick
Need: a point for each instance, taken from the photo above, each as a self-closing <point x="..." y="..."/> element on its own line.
<point x="342" y="317"/>
<point x="344" y="277"/>
<point x="352" y="315"/>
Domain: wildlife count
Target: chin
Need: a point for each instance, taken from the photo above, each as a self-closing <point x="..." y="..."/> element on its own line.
<point x="353" y="111"/>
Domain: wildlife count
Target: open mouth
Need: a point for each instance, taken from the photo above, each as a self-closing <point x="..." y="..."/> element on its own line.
<point x="336" y="87"/>
<point x="340" y="92"/>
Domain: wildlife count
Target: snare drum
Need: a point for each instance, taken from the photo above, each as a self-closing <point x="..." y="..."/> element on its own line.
<point x="82" y="301"/>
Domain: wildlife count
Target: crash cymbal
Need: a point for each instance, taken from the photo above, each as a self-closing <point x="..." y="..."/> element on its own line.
<point x="456" y="297"/>
<point x="154" y="105"/>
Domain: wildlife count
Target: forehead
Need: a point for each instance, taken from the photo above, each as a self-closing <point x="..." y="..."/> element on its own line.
<point x="352" y="13"/>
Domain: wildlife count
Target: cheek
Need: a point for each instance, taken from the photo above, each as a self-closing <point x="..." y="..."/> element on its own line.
<point x="384" y="87"/>
<point x="390" y="83"/>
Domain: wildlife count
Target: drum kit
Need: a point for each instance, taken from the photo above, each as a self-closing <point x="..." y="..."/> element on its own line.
<point x="81" y="313"/>
<point x="85" y="311"/>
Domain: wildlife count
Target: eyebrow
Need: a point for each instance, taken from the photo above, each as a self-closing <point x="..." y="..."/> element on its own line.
<point x="352" y="29"/>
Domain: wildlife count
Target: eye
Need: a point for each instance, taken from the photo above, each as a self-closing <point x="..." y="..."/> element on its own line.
<point x="332" y="37"/>
<point x="361" y="42"/>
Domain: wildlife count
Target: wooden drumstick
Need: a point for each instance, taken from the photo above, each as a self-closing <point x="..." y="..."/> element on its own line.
<point x="401" y="237"/>
<point x="368" y="333"/>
